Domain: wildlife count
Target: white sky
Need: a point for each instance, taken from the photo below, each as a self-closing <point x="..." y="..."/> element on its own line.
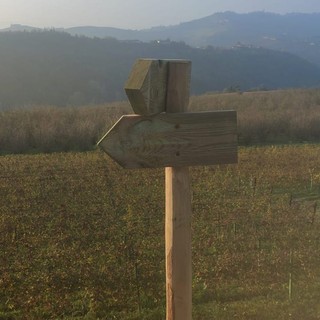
<point x="133" y="14"/>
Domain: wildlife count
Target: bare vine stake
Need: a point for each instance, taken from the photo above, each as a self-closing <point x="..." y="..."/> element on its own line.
<point x="290" y="277"/>
<point x="165" y="135"/>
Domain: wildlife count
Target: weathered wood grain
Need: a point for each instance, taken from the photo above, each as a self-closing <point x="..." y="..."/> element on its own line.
<point x="178" y="207"/>
<point x="178" y="244"/>
<point x="173" y="139"/>
<point x="146" y="87"/>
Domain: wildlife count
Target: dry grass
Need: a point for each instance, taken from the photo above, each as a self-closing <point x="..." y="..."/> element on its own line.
<point x="82" y="238"/>
<point x="263" y="117"/>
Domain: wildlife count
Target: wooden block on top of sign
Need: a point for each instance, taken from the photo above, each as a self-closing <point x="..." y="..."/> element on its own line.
<point x="146" y="87"/>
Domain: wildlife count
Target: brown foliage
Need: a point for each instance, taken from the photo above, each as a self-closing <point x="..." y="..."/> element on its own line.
<point x="263" y="117"/>
<point x="50" y="129"/>
<point x="270" y="117"/>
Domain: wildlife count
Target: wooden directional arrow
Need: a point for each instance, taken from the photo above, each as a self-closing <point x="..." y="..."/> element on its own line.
<point x="173" y="140"/>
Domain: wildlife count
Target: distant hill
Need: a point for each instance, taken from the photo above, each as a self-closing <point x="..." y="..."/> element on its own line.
<point x="55" y="68"/>
<point x="19" y="27"/>
<point x="295" y="33"/>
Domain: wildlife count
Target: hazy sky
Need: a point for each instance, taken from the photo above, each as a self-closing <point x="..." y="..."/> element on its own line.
<point x="133" y="14"/>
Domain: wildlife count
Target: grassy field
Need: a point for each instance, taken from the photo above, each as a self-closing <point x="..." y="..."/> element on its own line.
<point x="270" y="117"/>
<point x="82" y="238"/>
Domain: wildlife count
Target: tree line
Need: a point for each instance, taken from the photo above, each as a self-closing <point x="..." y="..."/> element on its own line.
<point x="55" y="68"/>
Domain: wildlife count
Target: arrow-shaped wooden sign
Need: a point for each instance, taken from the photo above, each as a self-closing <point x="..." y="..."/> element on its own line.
<point x="173" y="139"/>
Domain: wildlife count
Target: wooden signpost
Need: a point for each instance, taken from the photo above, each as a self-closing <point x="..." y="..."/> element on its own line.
<point x="163" y="134"/>
<point x="172" y="139"/>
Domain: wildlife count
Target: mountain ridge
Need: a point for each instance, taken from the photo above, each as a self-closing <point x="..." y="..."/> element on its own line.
<point x="56" y="68"/>
<point x="296" y="33"/>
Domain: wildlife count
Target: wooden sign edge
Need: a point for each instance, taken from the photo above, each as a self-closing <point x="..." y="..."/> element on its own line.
<point x="233" y="154"/>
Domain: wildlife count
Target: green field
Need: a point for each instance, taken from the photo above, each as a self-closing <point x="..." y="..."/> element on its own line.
<point x="82" y="238"/>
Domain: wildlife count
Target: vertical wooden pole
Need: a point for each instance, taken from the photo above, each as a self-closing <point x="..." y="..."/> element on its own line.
<point x="178" y="208"/>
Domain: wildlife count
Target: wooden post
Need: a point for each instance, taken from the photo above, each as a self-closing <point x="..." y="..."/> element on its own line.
<point x="163" y="135"/>
<point x="178" y="208"/>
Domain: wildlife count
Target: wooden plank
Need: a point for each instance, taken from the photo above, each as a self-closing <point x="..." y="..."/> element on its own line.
<point x="178" y="86"/>
<point x="146" y="87"/>
<point x="173" y="139"/>
<point x="178" y="244"/>
<point x="178" y="206"/>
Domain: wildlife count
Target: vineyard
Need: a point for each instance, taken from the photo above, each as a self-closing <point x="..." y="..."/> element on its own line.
<point x="82" y="238"/>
